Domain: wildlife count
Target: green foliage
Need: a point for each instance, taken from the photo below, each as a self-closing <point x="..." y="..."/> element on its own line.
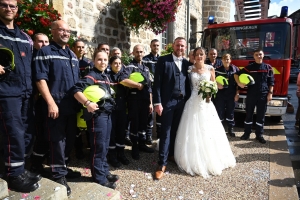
<point x="126" y="58"/>
<point x="168" y="49"/>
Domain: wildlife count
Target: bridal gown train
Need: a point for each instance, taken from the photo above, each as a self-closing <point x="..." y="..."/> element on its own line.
<point x="201" y="145"/>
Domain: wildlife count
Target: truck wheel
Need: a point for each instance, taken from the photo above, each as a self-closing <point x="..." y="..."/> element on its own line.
<point x="276" y="118"/>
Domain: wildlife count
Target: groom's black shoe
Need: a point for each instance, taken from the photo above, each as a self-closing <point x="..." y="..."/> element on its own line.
<point x="245" y="136"/>
<point x="160" y="170"/>
<point x="230" y="132"/>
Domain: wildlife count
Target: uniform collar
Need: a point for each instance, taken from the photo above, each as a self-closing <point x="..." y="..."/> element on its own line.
<point x="56" y="46"/>
<point x="98" y="71"/>
<point x="16" y="28"/>
<point x="152" y="55"/>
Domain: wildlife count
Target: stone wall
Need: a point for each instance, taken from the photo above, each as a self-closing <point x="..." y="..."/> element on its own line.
<point x="99" y="21"/>
<point x="220" y="9"/>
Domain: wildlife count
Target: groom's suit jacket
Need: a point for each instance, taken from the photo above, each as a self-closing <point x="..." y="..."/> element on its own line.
<point x="164" y="79"/>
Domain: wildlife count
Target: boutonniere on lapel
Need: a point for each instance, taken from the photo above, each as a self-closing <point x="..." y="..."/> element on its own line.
<point x="189" y="69"/>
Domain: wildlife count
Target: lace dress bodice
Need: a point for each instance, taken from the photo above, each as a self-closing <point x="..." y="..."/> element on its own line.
<point x="197" y="78"/>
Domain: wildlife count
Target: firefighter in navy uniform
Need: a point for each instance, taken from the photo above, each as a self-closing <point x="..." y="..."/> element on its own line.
<point x="56" y="71"/>
<point x="212" y="58"/>
<point x="116" y="154"/>
<point x="41" y="146"/>
<point x="85" y="66"/>
<point x="97" y="114"/>
<point x="150" y="61"/>
<point x="227" y="93"/>
<point x="139" y="104"/>
<point x="258" y="94"/>
<point x="16" y="109"/>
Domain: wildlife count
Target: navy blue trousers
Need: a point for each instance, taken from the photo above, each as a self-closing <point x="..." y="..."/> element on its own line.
<point x="60" y="133"/>
<point x="138" y="111"/>
<point x="260" y="101"/>
<point x="225" y="108"/>
<point x="99" y="128"/>
<point x="117" y="136"/>
<point x="170" y="119"/>
<point x="150" y="124"/>
<point x="17" y="127"/>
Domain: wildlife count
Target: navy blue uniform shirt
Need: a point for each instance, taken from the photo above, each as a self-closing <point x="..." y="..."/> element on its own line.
<point x="96" y="77"/>
<point x="262" y="75"/>
<point x="229" y="75"/>
<point x="134" y="93"/>
<point x="19" y="81"/>
<point x="60" y="69"/>
<point x="218" y="63"/>
<point x="150" y="61"/>
<point x="120" y="90"/>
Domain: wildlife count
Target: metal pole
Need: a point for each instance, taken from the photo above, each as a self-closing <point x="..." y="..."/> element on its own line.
<point x="188" y="26"/>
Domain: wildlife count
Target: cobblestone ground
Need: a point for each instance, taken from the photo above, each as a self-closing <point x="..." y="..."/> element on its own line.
<point x="247" y="180"/>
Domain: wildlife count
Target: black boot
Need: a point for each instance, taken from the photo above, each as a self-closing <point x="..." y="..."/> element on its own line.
<point x="33" y="176"/>
<point x="149" y="140"/>
<point x="261" y="139"/>
<point x="39" y="169"/>
<point x="37" y="166"/>
<point x="22" y="183"/>
<point x="112" y="178"/>
<point x="110" y="185"/>
<point x="135" y="153"/>
<point x="143" y="147"/>
<point x="128" y="141"/>
<point x="121" y="156"/>
<point x="63" y="181"/>
<point x="230" y="132"/>
<point x="245" y="136"/>
<point x="112" y="158"/>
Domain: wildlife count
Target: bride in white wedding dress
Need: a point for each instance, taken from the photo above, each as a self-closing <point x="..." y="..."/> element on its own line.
<point x="201" y="145"/>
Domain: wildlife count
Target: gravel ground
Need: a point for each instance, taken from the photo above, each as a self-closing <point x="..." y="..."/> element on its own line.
<point x="247" y="180"/>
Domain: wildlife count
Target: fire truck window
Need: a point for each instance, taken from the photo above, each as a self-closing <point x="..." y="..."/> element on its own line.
<point x="269" y="41"/>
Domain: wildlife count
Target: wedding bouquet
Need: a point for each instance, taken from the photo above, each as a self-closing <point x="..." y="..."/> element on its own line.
<point x="207" y="89"/>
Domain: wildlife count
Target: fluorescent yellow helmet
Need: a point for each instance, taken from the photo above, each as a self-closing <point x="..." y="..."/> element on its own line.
<point x="94" y="93"/>
<point x="136" y="77"/>
<point x="246" y="79"/>
<point x="80" y="121"/>
<point x="222" y="80"/>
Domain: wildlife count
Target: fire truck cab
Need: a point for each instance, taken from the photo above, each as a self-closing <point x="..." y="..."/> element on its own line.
<point x="241" y="38"/>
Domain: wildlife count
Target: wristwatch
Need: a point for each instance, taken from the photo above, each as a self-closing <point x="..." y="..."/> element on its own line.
<point x="271" y="92"/>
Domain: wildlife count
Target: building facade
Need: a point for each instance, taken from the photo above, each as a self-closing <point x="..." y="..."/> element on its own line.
<point x="97" y="21"/>
<point x="296" y="35"/>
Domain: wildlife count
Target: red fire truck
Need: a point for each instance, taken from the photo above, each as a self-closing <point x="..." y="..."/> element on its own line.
<point x="240" y="39"/>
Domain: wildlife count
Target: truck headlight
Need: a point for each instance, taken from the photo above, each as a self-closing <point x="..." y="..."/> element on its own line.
<point x="277" y="103"/>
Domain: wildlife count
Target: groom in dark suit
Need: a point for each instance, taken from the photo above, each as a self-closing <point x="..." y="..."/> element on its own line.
<point x="170" y="91"/>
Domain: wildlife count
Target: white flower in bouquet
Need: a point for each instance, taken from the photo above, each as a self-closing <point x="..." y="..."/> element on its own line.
<point x="207" y="89"/>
